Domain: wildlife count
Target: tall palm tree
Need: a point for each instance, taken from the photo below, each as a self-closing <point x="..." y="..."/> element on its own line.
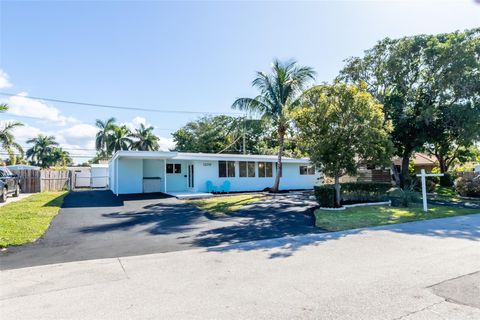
<point x="7" y="140"/>
<point x="279" y="89"/>
<point x="146" y="139"/>
<point x="104" y="133"/>
<point x="120" y="139"/>
<point x="41" y="151"/>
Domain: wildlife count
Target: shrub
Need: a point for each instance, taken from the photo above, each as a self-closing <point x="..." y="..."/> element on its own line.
<point x="364" y="191"/>
<point x="447" y="180"/>
<point x="416" y="184"/>
<point x="325" y="195"/>
<point x="468" y="187"/>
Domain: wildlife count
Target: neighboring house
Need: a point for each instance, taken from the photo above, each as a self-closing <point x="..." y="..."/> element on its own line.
<point x="176" y="173"/>
<point x="477" y="168"/>
<point x="420" y="161"/>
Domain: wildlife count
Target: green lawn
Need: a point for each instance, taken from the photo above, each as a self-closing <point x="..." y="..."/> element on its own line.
<point x="26" y="220"/>
<point x="370" y="216"/>
<point x="220" y="206"/>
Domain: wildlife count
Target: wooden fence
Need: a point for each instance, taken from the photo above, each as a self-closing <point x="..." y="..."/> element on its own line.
<point x="44" y="180"/>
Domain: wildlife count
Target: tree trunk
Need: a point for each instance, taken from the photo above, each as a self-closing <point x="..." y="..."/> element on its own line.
<point x="396" y="175"/>
<point x="442" y="164"/>
<point x="281" y="134"/>
<point x="404" y="173"/>
<point x="338" y="196"/>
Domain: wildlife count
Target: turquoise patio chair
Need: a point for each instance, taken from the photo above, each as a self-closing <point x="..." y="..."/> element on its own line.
<point x="225" y="186"/>
<point x="210" y="187"/>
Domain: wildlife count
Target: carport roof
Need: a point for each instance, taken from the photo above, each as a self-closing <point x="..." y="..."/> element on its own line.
<point x="204" y="156"/>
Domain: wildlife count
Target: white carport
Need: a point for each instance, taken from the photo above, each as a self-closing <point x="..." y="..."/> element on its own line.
<point x="139" y="171"/>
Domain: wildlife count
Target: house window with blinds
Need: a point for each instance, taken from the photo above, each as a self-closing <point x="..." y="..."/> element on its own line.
<point x="226" y="169"/>
<point x="246" y="169"/>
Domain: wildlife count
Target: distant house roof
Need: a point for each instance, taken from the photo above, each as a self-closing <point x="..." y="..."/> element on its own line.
<point x="22" y="167"/>
<point x="419" y="159"/>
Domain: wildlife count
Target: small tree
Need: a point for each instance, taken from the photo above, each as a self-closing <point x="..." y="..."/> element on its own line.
<point x="341" y="127"/>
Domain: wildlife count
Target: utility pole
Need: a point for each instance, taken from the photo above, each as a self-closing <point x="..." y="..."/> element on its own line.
<point x="244" y="133"/>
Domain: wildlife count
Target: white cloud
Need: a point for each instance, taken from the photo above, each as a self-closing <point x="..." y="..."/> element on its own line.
<point x="4" y="80"/>
<point x="22" y="105"/>
<point x="25" y="132"/>
<point x="80" y="131"/>
<point x="166" y="143"/>
<point x="139" y="120"/>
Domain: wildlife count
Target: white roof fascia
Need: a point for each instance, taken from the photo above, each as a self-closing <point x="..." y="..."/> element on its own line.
<point x="237" y="157"/>
<point x="144" y="154"/>
<point x="204" y="156"/>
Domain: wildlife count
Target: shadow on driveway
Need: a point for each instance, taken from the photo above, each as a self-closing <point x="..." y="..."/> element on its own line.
<point x="97" y="224"/>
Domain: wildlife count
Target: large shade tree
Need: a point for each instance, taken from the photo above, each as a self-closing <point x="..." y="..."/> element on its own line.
<point x="418" y="79"/>
<point x="278" y="90"/>
<point x="213" y="134"/>
<point x="342" y="127"/>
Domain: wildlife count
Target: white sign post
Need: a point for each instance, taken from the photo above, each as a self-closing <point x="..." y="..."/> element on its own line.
<point x="424" y="185"/>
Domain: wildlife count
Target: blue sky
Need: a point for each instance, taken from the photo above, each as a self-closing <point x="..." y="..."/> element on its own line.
<point x="191" y="56"/>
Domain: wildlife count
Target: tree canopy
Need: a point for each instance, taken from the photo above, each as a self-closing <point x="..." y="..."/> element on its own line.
<point x="342" y="127"/>
<point x="420" y="79"/>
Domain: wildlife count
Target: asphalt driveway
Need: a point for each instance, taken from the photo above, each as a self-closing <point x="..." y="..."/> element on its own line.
<point x="97" y="224"/>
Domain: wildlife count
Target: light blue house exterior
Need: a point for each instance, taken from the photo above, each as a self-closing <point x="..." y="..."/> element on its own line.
<point x="177" y="172"/>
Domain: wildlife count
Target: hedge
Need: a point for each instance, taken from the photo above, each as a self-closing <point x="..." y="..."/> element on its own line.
<point x="352" y="192"/>
<point x="325" y="195"/>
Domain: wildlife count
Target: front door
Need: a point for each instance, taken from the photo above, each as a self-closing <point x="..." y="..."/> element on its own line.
<point x="190" y="177"/>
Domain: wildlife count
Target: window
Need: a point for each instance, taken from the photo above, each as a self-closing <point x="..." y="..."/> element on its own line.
<point x="247" y="169"/>
<point x="174" y="168"/>
<point x="307" y="170"/>
<point x="226" y="169"/>
<point x="265" y="169"/>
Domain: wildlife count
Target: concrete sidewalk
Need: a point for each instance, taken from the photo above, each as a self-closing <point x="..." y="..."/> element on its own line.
<point x="392" y="272"/>
<point x="11" y="199"/>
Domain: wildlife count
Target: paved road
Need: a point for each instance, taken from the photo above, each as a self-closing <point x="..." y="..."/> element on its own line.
<point x="421" y="270"/>
<point x="97" y="224"/>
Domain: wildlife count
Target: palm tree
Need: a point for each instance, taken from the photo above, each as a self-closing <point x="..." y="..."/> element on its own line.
<point x="60" y="157"/>
<point x="278" y="91"/>
<point x="104" y="133"/>
<point x="146" y="139"/>
<point x="41" y="151"/>
<point x="120" y="139"/>
<point x="7" y="140"/>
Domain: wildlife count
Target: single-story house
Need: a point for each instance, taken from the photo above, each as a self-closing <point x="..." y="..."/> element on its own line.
<point x="177" y="172"/>
<point x="420" y="161"/>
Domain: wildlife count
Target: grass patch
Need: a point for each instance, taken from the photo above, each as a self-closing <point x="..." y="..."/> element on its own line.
<point x="220" y="206"/>
<point x="26" y="220"/>
<point x="371" y="216"/>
